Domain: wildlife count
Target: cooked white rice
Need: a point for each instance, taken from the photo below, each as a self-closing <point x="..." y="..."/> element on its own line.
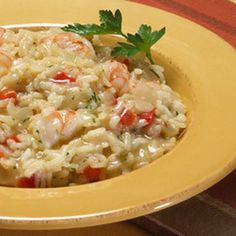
<point x="70" y="114"/>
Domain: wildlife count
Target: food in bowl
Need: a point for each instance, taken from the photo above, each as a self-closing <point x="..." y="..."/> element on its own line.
<point x="72" y="114"/>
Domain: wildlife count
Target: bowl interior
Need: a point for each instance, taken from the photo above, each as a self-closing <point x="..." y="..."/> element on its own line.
<point x="204" y="155"/>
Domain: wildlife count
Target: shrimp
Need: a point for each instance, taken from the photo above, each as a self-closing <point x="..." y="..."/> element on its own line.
<point x="140" y="89"/>
<point x="64" y="117"/>
<point x="70" y="41"/>
<point x="5" y="63"/>
<point x="67" y="40"/>
<point x="2" y="32"/>
<point x="56" y="126"/>
<point x="118" y="75"/>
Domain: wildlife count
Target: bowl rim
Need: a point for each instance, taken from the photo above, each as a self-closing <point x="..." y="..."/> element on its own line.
<point x="124" y="213"/>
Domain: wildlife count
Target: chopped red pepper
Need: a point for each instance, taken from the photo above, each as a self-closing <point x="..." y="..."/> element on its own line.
<point x="92" y="174"/>
<point x="7" y="94"/>
<point x="127" y="117"/>
<point x="12" y="137"/>
<point x="62" y="78"/>
<point x="126" y="61"/>
<point x="148" y="116"/>
<point x="26" y="182"/>
<point x="123" y="60"/>
<point x="115" y="102"/>
<point x="2" y="154"/>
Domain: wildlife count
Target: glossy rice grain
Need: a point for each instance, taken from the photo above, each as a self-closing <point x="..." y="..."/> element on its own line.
<point x="71" y="114"/>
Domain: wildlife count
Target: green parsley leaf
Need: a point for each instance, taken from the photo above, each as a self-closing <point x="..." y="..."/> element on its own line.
<point x="88" y="29"/>
<point x="144" y="40"/>
<point x="110" y="23"/>
<point x="124" y="49"/>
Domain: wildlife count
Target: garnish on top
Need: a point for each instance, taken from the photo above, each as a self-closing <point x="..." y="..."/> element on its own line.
<point x="110" y="23"/>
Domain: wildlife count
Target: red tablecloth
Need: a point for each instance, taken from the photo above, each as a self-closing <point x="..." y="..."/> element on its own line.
<point x="216" y="15"/>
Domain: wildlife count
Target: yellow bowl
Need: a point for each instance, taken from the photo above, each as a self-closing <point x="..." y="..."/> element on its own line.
<point x="200" y="66"/>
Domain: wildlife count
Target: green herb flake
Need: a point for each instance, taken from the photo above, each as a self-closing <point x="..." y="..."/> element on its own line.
<point x="121" y="137"/>
<point x="88" y="106"/>
<point x="37" y="131"/>
<point x="134" y="130"/>
<point x="72" y="167"/>
<point x="26" y="119"/>
<point x="95" y="98"/>
<point x="158" y="77"/>
<point x="67" y="154"/>
<point x="73" y="98"/>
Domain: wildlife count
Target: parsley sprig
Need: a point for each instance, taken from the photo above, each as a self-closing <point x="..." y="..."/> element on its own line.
<point x="110" y="23"/>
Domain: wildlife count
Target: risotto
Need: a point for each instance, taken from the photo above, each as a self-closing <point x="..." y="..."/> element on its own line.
<point x="71" y="114"/>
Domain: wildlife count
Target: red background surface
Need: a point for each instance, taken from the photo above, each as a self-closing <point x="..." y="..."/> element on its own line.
<point x="216" y="15"/>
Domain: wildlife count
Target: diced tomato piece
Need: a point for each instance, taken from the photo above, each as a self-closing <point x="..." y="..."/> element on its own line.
<point x="126" y="61"/>
<point x="7" y="94"/>
<point x="12" y="137"/>
<point x="148" y="116"/>
<point x="123" y="60"/>
<point x="26" y="182"/>
<point x="127" y="117"/>
<point x="115" y="102"/>
<point x="2" y="154"/>
<point x="92" y="174"/>
<point x="62" y="78"/>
